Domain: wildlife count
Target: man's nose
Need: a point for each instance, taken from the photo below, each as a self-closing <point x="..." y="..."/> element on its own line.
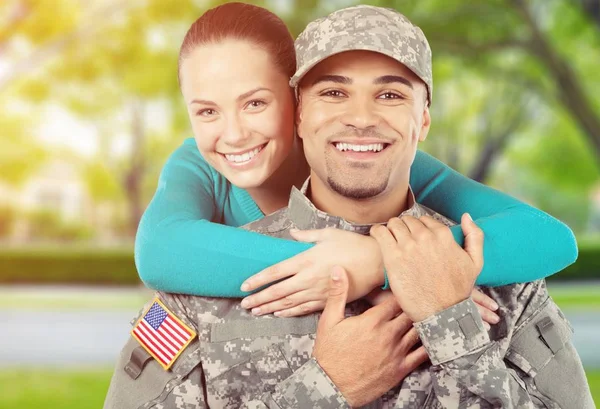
<point x="361" y="114"/>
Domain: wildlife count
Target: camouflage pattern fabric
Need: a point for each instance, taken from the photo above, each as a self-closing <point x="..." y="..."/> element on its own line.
<point x="369" y="28"/>
<point x="242" y="361"/>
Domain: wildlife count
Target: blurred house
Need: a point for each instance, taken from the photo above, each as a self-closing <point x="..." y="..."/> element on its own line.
<point x="54" y="203"/>
<point x="57" y="187"/>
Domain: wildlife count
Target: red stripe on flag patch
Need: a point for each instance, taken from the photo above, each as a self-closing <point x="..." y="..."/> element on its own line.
<point x="162" y="334"/>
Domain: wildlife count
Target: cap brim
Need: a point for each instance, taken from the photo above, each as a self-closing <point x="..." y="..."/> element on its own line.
<point x="295" y="80"/>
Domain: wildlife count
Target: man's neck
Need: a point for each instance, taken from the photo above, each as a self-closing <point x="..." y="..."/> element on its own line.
<point x="378" y="209"/>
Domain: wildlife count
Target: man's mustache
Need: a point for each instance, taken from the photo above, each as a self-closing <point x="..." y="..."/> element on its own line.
<point x="352" y="132"/>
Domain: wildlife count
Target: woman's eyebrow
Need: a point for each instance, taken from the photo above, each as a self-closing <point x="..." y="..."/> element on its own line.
<point x="243" y="96"/>
<point x="252" y="91"/>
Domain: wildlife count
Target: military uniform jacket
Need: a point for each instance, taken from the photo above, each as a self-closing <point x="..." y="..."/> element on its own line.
<point x="242" y="361"/>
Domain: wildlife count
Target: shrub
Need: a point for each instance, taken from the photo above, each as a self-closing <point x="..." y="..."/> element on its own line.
<point x="68" y="265"/>
<point x="587" y="266"/>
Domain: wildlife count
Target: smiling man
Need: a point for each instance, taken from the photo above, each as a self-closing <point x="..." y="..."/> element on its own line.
<point x="364" y="114"/>
<point x="364" y="86"/>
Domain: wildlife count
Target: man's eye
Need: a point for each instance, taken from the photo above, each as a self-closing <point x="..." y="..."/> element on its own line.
<point x="333" y="93"/>
<point x="206" y="112"/>
<point x="390" y="95"/>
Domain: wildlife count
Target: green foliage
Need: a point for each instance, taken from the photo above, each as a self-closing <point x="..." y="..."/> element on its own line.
<point x="18" y="156"/>
<point x="101" y="182"/>
<point x="47" y="225"/>
<point x="7" y="218"/>
<point x="587" y="266"/>
<point x="65" y="265"/>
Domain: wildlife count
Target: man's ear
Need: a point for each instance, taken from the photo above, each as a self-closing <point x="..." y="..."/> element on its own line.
<point x="298" y="113"/>
<point x="426" y="124"/>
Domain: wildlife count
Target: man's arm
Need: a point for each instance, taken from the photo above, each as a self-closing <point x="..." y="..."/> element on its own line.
<point x="545" y="370"/>
<point x="463" y="357"/>
<point x="355" y="360"/>
<point x="434" y="293"/>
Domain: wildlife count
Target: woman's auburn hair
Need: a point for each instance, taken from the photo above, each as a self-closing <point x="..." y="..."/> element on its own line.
<point x="240" y="21"/>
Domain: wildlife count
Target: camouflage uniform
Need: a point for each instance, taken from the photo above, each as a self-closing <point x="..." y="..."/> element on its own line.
<point x="243" y="361"/>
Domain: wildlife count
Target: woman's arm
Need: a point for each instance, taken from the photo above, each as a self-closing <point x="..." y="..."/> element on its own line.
<point x="179" y="249"/>
<point x="521" y="243"/>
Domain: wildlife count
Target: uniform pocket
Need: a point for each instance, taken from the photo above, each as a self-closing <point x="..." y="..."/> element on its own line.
<point x="541" y="348"/>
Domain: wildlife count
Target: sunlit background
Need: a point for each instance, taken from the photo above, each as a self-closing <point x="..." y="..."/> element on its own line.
<point x="90" y="109"/>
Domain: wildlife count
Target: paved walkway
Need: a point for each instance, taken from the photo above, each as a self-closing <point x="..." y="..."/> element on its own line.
<point x="95" y="337"/>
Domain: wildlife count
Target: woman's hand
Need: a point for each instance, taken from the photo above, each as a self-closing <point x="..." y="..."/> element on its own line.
<point x="307" y="274"/>
<point x="485" y="304"/>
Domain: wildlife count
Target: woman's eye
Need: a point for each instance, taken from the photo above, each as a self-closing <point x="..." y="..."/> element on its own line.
<point x="255" y="104"/>
<point x="206" y="112"/>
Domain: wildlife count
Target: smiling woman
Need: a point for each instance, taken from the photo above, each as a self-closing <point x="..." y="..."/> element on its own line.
<point x="240" y="104"/>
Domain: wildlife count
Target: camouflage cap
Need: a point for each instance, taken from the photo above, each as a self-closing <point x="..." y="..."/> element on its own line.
<point x="370" y="28"/>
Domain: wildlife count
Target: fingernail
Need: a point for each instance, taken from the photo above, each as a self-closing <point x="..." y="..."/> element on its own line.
<point x="496" y="319"/>
<point x="294" y="230"/>
<point x="277" y="313"/>
<point x="487" y="326"/>
<point x="335" y="275"/>
<point x="493" y="306"/>
<point x="245" y="303"/>
<point x="469" y="216"/>
<point x="245" y="287"/>
<point x="256" y="311"/>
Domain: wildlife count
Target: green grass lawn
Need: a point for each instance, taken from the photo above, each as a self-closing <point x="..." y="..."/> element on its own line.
<point x="85" y="389"/>
<point x="53" y="389"/>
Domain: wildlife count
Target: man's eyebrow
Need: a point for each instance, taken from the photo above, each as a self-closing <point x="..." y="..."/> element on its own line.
<point x="388" y="79"/>
<point x="339" y="79"/>
<point x="241" y="97"/>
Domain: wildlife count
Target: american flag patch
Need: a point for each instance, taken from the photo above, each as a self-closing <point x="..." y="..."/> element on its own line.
<point x="162" y="334"/>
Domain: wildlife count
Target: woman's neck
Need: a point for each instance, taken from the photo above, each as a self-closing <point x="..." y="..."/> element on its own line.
<point x="274" y="194"/>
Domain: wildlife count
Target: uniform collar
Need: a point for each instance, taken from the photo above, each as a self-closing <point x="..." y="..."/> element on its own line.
<point x="303" y="213"/>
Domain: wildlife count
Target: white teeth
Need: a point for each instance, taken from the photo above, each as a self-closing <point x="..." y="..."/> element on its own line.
<point x="376" y="147"/>
<point x="243" y="157"/>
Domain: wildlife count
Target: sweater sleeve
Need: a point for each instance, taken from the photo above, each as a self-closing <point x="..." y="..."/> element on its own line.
<point x="179" y="249"/>
<point x="521" y="243"/>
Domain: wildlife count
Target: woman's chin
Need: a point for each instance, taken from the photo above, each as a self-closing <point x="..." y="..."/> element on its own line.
<point x="248" y="180"/>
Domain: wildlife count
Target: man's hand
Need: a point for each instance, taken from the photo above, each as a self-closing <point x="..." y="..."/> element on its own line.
<point x="367" y="355"/>
<point x="428" y="272"/>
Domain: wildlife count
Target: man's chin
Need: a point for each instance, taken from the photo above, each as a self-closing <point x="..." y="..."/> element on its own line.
<point x="356" y="192"/>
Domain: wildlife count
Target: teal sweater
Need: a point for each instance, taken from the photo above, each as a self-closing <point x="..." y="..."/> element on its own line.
<point x="185" y="242"/>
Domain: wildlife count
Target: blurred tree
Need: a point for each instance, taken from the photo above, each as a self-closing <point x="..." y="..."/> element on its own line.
<point x="18" y="156"/>
<point x="516" y="82"/>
